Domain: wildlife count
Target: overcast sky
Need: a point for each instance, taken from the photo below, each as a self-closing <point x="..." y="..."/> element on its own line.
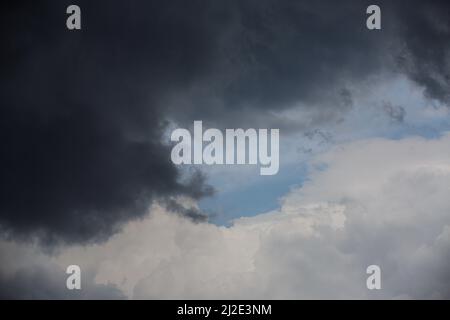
<point x="86" y="176"/>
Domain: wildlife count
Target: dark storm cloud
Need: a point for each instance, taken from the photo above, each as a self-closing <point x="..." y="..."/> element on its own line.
<point x="278" y="54"/>
<point x="424" y="49"/>
<point x="83" y="112"/>
<point x="80" y="122"/>
<point x="274" y="55"/>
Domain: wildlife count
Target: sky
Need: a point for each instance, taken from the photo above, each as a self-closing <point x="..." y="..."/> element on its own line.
<point x="87" y="178"/>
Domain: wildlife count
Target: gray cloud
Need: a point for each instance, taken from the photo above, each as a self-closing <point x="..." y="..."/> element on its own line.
<point x="396" y="113"/>
<point x="43" y="283"/>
